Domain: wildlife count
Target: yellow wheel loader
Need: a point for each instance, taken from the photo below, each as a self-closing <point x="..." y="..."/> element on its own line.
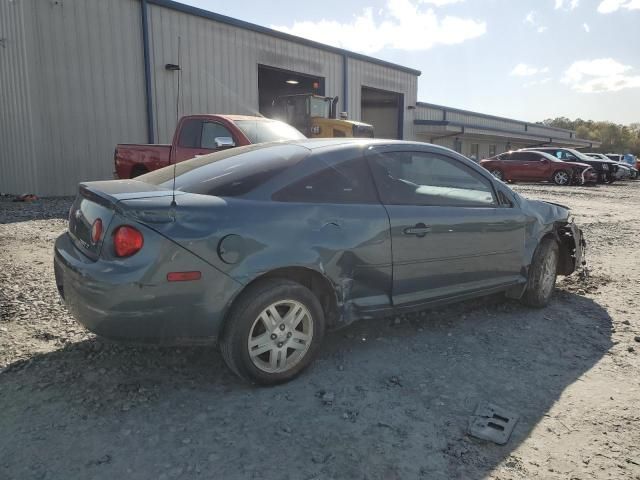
<point x="315" y="116"/>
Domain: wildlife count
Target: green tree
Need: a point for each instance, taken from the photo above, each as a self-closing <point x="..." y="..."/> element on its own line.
<point x="615" y="138"/>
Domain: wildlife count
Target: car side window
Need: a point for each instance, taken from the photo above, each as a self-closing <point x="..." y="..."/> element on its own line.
<point x="523" y="156"/>
<point x="190" y="133"/>
<point x="424" y="178"/>
<point x="211" y="131"/>
<point x="347" y="181"/>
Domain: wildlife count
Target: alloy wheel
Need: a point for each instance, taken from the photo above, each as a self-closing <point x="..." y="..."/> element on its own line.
<point x="281" y="336"/>
<point x="497" y="173"/>
<point x="561" y="178"/>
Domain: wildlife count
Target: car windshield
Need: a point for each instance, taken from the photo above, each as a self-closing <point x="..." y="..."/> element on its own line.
<point x="230" y="173"/>
<point x="260" y="131"/>
<point x="578" y="154"/>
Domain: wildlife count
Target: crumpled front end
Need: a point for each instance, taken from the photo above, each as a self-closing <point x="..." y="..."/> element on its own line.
<point x="551" y="219"/>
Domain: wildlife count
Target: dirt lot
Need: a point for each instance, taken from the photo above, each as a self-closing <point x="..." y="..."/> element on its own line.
<point x="388" y="399"/>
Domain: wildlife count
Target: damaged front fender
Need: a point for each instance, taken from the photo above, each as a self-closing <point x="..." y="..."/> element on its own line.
<point x="548" y="219"/>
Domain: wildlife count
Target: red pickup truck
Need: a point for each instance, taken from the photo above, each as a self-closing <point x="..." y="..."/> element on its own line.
<point x="199" y="135"/>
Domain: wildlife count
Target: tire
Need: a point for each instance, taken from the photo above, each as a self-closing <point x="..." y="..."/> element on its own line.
<point x="611" y="179"/>
<point x="562" y="177"/>
<point x="269" y="302"/>
<point x="496" y="172"/>
<point x="542" y="274"/>
<point x="138" y="170"/>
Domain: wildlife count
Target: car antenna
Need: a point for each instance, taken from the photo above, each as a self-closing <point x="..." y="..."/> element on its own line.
<point x="173" y="190"/>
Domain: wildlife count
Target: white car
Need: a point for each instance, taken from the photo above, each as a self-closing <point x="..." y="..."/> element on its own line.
<point x="624" y="169"/>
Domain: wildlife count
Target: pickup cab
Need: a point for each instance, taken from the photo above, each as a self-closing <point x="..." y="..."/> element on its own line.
<point x="197" y="135"/>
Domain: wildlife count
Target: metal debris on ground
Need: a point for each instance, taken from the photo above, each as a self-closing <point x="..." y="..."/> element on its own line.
<point x="27" y="197"/>
<point x="492" y="423"/>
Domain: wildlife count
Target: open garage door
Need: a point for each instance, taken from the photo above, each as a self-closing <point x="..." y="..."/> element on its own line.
<point x="273" y="82"/>
<point x="383" y="110"/>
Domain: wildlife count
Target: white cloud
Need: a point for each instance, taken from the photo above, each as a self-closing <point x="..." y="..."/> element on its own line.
<point x="586" y="27"/>
<point x="532" y="19"/>
<point x="440" y="3"/>
<point x="524" y="70"/>
<point x="534" y="83"/>
<point x="600" y="75"/>
<point x="405" y="27"/>
<point x="609" y="6"/>
<point x="566" y="4"/>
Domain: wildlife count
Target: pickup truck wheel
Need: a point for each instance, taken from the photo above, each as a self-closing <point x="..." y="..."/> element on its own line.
<point x="273" y="332"/>
<point x="542" y="274"/>
<point x="138" y="170"/>
<point x="562" y="177"/>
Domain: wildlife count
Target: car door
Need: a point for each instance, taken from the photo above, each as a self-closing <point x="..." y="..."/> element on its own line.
<point x="198" y="137"/>
<point x="450" y="234"/>
<point x="521" y="165"/>
<point x="538" y="167"/>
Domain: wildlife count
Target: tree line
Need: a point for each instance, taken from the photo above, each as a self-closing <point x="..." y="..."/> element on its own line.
<point x="615" y="138"/>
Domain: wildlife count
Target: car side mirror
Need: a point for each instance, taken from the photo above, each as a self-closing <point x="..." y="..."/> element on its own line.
<point x="224" y="142"/>
<point x="544" y="160"/>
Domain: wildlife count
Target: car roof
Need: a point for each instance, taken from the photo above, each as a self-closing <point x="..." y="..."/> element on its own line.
<point x="317" y="143"/>
<point x="543" y="153"/>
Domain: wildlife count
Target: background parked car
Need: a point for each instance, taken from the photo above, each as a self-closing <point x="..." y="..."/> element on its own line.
<point x="263" y="247"/>
<point x="538" y="167"/>
<point x="606" y="169"/>
<point x="625" y="170"/>
<point x="198" y="135"/>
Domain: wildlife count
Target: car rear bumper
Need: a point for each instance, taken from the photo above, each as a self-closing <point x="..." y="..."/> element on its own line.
<point x="141" y="305"/>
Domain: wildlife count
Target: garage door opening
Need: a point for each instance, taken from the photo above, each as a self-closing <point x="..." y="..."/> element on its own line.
<point x="383" y="110"/>
<point x="274" y="82"/>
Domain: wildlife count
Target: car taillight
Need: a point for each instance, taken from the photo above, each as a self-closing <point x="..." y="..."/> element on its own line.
<point x="96" y="231"/>
<point x="127" y="241"/>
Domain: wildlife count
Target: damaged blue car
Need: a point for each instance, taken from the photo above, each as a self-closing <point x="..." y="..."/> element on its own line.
<point x="262" y="248"/>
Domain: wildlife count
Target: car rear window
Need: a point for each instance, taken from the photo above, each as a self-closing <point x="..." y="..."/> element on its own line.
<point x="259" y="131"/>
<point x="229" y="173"/>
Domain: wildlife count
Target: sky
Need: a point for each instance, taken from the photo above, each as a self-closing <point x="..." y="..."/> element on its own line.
<point x="525" y="59"/>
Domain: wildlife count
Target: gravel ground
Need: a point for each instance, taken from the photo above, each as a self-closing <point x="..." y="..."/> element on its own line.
<point x="387" y="399"/>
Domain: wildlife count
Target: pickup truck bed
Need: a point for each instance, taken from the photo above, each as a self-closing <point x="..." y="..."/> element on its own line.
<point x="133" y="159"/>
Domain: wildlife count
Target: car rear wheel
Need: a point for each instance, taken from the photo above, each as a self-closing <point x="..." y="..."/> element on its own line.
<point x="273" y="332"/>
<point x="542" y="274"/>
<point x="562" y="177"/>
<point x="496" y="172"/>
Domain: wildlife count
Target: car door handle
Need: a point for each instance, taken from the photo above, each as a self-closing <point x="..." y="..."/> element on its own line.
<point x="419" y="230"/>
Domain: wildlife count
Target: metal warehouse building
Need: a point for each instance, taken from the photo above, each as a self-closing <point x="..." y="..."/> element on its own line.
<point x="79" y="76"/>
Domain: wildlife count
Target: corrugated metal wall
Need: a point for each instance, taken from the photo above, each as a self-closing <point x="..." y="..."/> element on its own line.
<point x="87" y="57"/>
<point x="220" y="66"/>
<point x="73" y="82"/>
<point x="384" y="78"/>
<point x="16" y="146"/>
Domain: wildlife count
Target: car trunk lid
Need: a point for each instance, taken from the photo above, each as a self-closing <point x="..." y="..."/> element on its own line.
<point x="100" y="201"/>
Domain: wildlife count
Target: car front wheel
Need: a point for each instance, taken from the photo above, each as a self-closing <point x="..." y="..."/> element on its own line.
<point x="562" y="177"/>
<point x="542" y="274"/>
<point x="273" y="332"/>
